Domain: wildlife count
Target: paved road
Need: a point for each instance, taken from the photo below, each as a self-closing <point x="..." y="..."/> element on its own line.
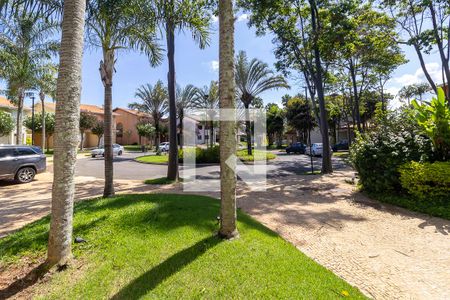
<point x="126" y="168"/>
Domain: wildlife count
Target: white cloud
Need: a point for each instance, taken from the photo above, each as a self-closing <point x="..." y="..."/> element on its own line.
<point x="214" y="65"/>
<point x="214" y="19"/>
<point x="242" y="17"/>
<point x="434" y="69"/>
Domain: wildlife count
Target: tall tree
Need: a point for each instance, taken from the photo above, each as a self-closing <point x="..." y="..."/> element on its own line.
<point x="208" y="99"/>
<point x="45" y="125"/>
<point x="228" y="228"/>
<point x="298" y="28"/>
<point x="87" y="121"/>
<point x="176" y="15"/>
<point x="24" y="44"/>
<point x="409" y="92"/>
<point x="426" y="26"/>
<point x="362" y="41"/>
<point x="185" y="100"/>
<point x="253" y="78"/>
<point x="115" y="25"/>
<point x="275" y="123"/>
<point x="45" y="85"/>
<point x="98" y="129"/>
<point x="66" y="136"/>
<point x="155" y="103"/>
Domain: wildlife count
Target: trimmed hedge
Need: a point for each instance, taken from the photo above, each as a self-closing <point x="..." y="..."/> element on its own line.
<point x="426" y="181"/>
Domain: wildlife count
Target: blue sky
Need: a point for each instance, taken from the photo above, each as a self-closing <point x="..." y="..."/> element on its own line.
<point x="199" y="67"/>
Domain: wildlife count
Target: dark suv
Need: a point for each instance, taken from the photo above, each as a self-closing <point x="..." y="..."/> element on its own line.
<point x="21" y="162"/>
<point x="296" y="148"/>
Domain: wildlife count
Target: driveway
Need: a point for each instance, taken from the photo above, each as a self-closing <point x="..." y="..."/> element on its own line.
<point x="386" y="251"/>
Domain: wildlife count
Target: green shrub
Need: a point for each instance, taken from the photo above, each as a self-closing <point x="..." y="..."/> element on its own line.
<point x="378" y="153"/>
<point x="202" y="156"/>
<point x="426" y="181"/>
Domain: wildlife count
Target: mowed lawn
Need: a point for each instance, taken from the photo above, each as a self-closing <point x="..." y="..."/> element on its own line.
<point x="165" y="246"/>
<point x="242" y="154"/>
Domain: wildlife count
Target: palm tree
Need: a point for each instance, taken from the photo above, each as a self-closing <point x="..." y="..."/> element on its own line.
<point x="118" y="25"/>
<point x="179" y="15"/>
<point x="66" y="135"/>
<point x="24" y="46"/>
<point x="228" y="227"/>
<point x="46" y="85"/>
<point x="154" y="102"/>
<point x="185" y="99"/>
<point x="208" y="98"/>
<point x="253" y="78"/>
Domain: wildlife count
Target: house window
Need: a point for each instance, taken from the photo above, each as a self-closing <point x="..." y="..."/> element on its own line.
<point x="199" y="137"/>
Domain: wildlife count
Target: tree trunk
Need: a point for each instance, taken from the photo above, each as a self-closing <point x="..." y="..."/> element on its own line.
<point x="172" y="170"/>
<point x="227" y="134"/>
<point x="326" y="154"/>
<point x="156" y="133"/>
<point x="19" y="120"/>
<point x="248" y="130"/>
<point x="440" y="45"/>
<point x="66" y="132"/>
<point x="82" y="140"/>
<point x="355" y="97"/>
<point x="181" y="133"/>
<point x="42" y="96"/>
<point x="107" y="70"/>
<point x="211" y="133"/>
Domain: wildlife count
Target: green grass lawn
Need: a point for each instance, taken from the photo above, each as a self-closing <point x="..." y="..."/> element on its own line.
<point x="165" y="246"/>
<point x="153" y="159"/>
<point x="341" y="154"/>
<point x="136" y="148"/>
<point x="242" y="154"/>
<point x="161" y="180"/>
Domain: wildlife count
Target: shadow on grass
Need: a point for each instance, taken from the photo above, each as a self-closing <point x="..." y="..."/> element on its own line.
<point x="24" y="282"/>
<point x="152" y="278"/>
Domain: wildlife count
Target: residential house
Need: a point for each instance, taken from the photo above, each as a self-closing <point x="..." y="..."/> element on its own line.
<point x="90" y="139"/>
<point x="127" y="120"/>
<point x="7" y="106"/>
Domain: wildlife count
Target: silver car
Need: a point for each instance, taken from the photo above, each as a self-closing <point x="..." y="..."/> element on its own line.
<point x="117" y="150"/>
<point x="21" y="163"/>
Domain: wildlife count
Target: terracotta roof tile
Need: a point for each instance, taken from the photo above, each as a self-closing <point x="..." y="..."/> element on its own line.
<point x="6" y="103"/>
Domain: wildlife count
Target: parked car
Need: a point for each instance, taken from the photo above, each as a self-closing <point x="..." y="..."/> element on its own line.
<point x="164" y="147"/>
<point x="21" y="163"/>
<point x="316" y="149"/>
<point x="342" y="145"/>
<point x="296" y="148"/>
<point x="117" y="150"/>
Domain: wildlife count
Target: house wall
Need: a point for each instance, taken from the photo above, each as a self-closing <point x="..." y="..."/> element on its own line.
<point x="129" y="122"/>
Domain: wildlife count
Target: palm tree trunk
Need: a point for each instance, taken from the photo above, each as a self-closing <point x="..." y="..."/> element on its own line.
<point x="19" y="120"/>
<point x="82" y="140"/>
<point x="157" y="137"/>
<point x="107" y="78"/>
<point x="181" y="131"/>
<point x="211" y="133"/>
<point x="66" y="132"/>
<point x="248" y="130"/>
<point x="172" y="170"/>
<point x="42" y="96"/>
<point x="227" y="134"/>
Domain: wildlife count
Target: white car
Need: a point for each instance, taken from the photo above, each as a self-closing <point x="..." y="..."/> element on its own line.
<point x="117" y="150"/>
<point x="316" y="149"/>
<point x="164" y="147"/>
